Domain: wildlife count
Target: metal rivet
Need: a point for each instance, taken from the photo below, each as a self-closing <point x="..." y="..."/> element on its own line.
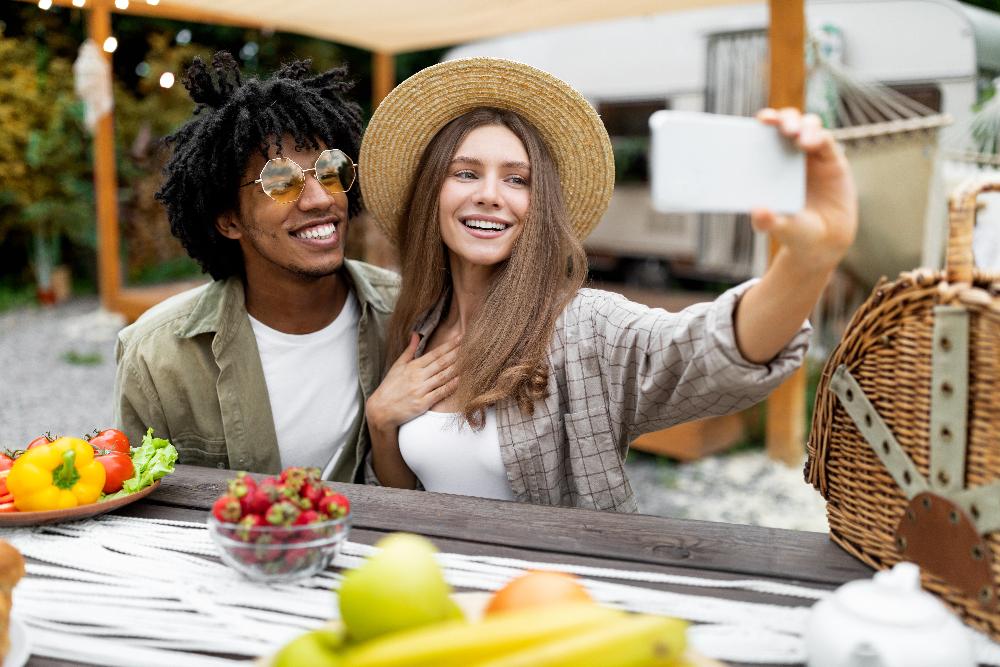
<point x="906" y="477"/>
<point x="926" y="502"/>
<point x="977" y="552"/>
<point x="947" y="389"/>
<point x="885" y="446"/>
<point x="945" y="343"/>
<point x="868" y="420"/>
<point x="974" y="511"/>
<point x="850" y="395"/>
<point x="943" y="477"/>
<point x="985" y="594"/>
<point x="946" y="434"/>
<point x="953" y="517"/>
<point x="901" y="543"/>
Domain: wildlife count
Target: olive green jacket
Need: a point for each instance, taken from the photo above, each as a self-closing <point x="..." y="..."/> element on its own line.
<point x="190" y="369"/>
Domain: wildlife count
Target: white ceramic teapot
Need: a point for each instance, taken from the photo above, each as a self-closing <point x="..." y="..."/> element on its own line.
<point x="887" y="621"/>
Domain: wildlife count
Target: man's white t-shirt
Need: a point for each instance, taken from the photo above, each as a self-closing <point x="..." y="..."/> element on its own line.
<point x="312" y="383"/>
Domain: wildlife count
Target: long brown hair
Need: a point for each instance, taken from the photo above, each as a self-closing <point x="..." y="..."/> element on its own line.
<point x="504" y="353"/>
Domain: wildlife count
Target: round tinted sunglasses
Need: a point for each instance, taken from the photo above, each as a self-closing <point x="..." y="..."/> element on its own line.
<point x="283" y="180"/>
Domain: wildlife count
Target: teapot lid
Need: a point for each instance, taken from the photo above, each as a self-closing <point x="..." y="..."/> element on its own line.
<point x="892" y="597"/>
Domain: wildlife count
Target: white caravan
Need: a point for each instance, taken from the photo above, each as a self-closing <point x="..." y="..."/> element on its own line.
<point x="939" y="52"/>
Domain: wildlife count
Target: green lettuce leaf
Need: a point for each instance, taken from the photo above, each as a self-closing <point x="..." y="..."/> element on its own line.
<point x="153" y="459"/>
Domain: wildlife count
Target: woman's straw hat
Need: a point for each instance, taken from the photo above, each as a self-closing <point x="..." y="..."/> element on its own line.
<point x="419" y="107"/>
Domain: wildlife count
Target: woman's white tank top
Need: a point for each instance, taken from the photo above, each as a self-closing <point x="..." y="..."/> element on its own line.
<point x="448" y="456"/>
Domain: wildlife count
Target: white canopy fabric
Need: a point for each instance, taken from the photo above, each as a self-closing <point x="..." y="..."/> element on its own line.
<point x="391" y="26"/>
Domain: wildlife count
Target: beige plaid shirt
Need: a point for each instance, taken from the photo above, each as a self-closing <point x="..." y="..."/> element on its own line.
<point x="619" y="369"/>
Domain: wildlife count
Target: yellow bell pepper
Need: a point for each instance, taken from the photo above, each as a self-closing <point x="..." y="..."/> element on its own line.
<point x="57" y="476"/>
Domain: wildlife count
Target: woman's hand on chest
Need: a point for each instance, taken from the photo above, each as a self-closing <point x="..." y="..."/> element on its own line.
<point x="414" y="385"/>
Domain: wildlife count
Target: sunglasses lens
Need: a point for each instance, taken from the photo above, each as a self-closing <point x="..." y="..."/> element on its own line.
<point x="282" y="180"/>
<point x="335" y="171"/>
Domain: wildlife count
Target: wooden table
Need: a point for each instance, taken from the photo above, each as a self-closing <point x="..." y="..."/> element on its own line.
<point x="477" y="526"/>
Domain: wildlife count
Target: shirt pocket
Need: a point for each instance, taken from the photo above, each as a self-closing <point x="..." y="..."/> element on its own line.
<point x="596" y="469"/>
<point x="195" y="450"/>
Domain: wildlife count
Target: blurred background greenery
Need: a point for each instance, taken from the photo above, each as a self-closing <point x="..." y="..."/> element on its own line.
<point x="47" y="215"/>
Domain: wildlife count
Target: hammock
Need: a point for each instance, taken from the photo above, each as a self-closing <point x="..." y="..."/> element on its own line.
<point x="890" y="141"/>
<point x="891" y="144"/>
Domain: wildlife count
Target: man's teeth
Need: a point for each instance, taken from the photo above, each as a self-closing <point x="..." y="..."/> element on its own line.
<point x="317" y="232"/>
<point x="485" y="224"/>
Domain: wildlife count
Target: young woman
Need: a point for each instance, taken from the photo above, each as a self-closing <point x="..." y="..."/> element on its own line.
<point x="512" y="381"/>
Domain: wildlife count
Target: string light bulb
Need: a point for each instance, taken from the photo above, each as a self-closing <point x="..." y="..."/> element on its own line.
<point x="121" y="4"/>
<point x="45" y="4"/>
<point x="153" y="2"/>
<point x="166" y="80"/>
<point x="110" y="44"/>
<point x="79" y="3"/>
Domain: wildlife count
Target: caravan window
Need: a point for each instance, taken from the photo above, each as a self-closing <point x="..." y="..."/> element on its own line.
<point x="628" y="126"/>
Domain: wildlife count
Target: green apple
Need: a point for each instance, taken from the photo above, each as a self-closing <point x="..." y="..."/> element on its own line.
<point x="318" y="648"/>
<point x="399" y="587"/>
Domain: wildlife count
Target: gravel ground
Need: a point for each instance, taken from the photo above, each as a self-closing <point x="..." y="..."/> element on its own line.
<point x="57" y="371"/>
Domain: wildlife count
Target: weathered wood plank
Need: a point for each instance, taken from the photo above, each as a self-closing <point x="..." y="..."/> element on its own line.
<point x="451" y="545"/>
<point x="717" y="547"/>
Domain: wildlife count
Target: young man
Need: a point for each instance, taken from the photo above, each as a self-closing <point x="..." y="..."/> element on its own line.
<point x="270" y="364"/>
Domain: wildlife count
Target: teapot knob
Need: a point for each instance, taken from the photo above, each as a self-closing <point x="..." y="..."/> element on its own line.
<point x="865" y="655"/>
<point x="904" y="577"/>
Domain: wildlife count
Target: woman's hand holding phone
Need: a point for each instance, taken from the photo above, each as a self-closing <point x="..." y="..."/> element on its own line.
<point x="818" y="236"/>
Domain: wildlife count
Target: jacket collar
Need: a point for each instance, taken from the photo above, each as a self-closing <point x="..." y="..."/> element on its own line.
<point x="222" y="299"/>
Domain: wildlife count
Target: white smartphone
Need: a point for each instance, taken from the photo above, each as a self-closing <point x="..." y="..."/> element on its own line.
<point x="710" y="163"/>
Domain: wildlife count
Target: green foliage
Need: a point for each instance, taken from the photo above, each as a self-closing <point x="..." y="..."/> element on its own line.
<point x="993" y="5"/>
<point x="176" y="268"/>
<point x="75" y="358"/>
<point x="15" y="296"/>
<point x="43" y="148"/>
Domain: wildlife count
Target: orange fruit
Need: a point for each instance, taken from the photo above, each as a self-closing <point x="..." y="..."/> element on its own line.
<point x="535" y="589"/>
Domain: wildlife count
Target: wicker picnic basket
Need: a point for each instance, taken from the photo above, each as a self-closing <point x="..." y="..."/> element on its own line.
<point x="905" y="440"/>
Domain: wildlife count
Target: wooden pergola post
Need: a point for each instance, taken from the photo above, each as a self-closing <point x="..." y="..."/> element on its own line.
<point x="785" y="431"/>
<point x="109" y="277"/>
<point x="383" y="76"/>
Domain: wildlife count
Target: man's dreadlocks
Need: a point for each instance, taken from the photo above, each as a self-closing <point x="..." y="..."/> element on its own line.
<point x="234" y="118"/>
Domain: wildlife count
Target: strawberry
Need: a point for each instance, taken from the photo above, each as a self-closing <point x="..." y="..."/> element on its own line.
<point x="296" y="557"/>
<point x="242" y="488"/>
<point x="282" y="513"/>
<point x="247" y="524"/>
<point x="334" y="505"/>
<point x="313" y="492"/>
<point x="266" y="494"/>
<point x="306" y="517"/>
<point x="294" y="478"/>
<point x="227" y="509"/>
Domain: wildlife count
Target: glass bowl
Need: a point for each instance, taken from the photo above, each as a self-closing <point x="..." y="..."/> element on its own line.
<point x="278" y="553"/>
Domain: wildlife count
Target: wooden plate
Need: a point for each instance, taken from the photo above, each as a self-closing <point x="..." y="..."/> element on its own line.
<point x="11" y="519"/>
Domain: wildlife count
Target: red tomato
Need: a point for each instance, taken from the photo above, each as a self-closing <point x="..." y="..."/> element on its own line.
<point x="112" y="440"/>
<point x="40" y="440"/>
<point x="8" y="507"/>
<point x="118" y="468"/>
<point x="6" y="461"/>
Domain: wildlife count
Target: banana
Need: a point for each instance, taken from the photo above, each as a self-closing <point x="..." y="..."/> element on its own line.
<point x="459" y="644"/>
<point x="631" y="641"/>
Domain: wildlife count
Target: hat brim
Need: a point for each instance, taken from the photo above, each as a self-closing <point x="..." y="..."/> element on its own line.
<point x="417" y="109"/>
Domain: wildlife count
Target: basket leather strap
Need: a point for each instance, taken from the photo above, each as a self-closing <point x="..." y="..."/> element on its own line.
<point x="982" y="505"/>
<point x="949" y="399"/>
<point x="876" y="433"/>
